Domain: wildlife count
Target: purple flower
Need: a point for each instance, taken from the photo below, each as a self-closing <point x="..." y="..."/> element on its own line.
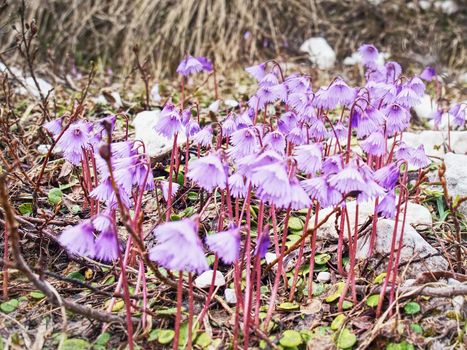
<point x="397" y="119"/>
<point x="428" y="74"/>
<point x="348" y="179"/>
<point x="74" y="139"/>
<point x="418" y="158"/>
<point x="393" y="71"/>
<point x="225" y="244"/>
<point x="165" y="189"/>
<point x="54" y="127"/>
<point x="263" y="242"/>
<point x="297" y="83"/>
<point x="387" y="207"/>
<point x="229" y="126"/>
<point x="208" y="172"/>
<point x="369" y="54"/>
<point x="192" y="128"/>
<point x="298" y="197"/>
<point x="179" y="247"/>
<point x="206" y="63"/>
<point x="170" y="122"/>
<point x="408" y="97"/>
<point x="79" y="239"/>
<point x="296" y="136"/>
<point x="309" y="158"/>
<point x="244" y="142"/>
<point x="320" y="190"/>
<point x="237" y="186"/>
<point x="276" y="141"/>
<point x="387" y="176"/>
<point x="372" y="189"/>
<point x="204" y="136"/>
<point x="363" y="123"/>
<point x="106" y="247"/>
<point x="403" y="151"/>
<point x="269" y="79"/>
<point x="189" y="66"/>
<point x="458" y="111"/>
<point x="258" y="71"/>
<point x="332" y="164"/>
<point x="375" y="144"/>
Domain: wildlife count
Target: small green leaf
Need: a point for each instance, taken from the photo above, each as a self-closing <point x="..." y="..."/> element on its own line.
<point x="76" y="276"/>
<point x="338" y="322"/>
<point x="347" y="305"/>
<point x="203" y="340"/>
<point x="400" y="346"/>
<point x="416" y="328"/>
<point x="55" y="196"/>
<point x="118" y="306"/>
<point x="25" y="208"/>
<point x="165" y="336"/>
<point x="35" y="294"/>
<point x="412" y="308"/>
<point x="192" y="196"/>
<point x="373" y="300"/>
<point x="287" y="306"/>
<point x="322" y="259"/>
<point x="380" y="278"/>
<point x="338" y="288"/>
<point x="295" y="224"/>
<point x="346" y="339"/>
<point x="102" y="339"/>
<point x="9" y="306"/>
<point x="290" y="338"/>
<point x="75" y="344"/>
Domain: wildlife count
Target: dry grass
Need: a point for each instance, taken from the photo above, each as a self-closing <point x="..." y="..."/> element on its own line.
<point x="166" y="29"/>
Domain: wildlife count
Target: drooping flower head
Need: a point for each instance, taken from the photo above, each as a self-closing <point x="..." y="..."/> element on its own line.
<point x="106" y="244"/>
<point x="225" y="244"/>
<point x="206" y="63"/>
<point x="387" y="176"/>
<point x="178" y="247"/>
<point x="428" y="74"/>
<point x="369" y="54"/>
<point x="208" y="172"/>
<point x="375" y="144"/>
<point x="170" y="122"/>
<point x="189" y="65"/>
<point x="237" y="186"/>
<point x="263" y="242"/>
<point x="165" y="189"/>
<point x="54" y="127"/>
<point x="309" y="158"/>
<point x="257" y="71"/>
<point x="79" y="239"/>
<point x="204" y="136"/>
<point x="387" y="207"/>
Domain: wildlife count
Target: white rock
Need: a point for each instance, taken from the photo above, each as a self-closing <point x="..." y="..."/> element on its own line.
<point x="154" y="94"/>
<point x="417" y="216"/>
<point x="414" y="247"/>
<point x="444" y="124"/>
<point x="155" y="143"/>
<point x="323" y="276"/>
<point x="230" y="296"/>
<point x="117" y="99"/>
<point x="463" y="78"/>
<point x="270" y="257"/>
<point x="435" y="142"/>
<point x="319" y="52"/>
<point x="426" y="108"/>
<point x="204" y="280"/>
<point x="424" y="4"/>
<point x="214" y="107"/>
<point x="43" y="149"/>
<point x="31" y="88"/>
<point x="447" y="6"/>
<point x="456" y="178"/>
<point x="231" y="103"/>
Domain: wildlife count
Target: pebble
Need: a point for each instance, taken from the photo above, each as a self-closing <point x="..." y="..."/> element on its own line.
<point x="230" y="296"/>
<point x="319" y="52"/>
<point x="323" y="277"/>
<point x="204" y="280"/>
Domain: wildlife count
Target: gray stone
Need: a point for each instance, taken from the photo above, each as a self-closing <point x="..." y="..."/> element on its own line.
<point x="319" y="52"/>
<point x="230" y="296"/>
<point x="456" y="177"/>
<point x="414" y="247"/>
<point x="323" y="276"/>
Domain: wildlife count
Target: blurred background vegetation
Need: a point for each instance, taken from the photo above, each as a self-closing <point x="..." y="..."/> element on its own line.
<point x="236" y="31"/>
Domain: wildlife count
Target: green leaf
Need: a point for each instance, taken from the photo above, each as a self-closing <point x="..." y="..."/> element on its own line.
<point x="55" y="196"/>
<point x="75" y="344"/>
<point x="346" y="339"/>
<point x="9" y="306"/>
<point x="416" y="328"/>
<point x="412" y="308"/>
<point x="76" y="276"/>
<point x="165" y="336"/>
<point x="118" y="306"/>
<point x="25" y="208"/>
<point x="203" y="340"/>
<point x="338" y="322"/>
<point x="290" y="338"/>
<point x="35" y="294"/>
<point x="295" y="224"/>
<point x="347" y="305"/>
<point x="338" y="288"/>
<point x="372" y="300"/>
<point x="380" y="278"/>
<point x="400" y="346"/>
<point x="192" y="196"/>
<point x="287" y="306"/>
<point x="322" y="259"/>
<point x="102" y="339"/>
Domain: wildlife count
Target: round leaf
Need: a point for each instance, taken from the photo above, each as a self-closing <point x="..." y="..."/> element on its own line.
<point x="55" y="196"/>
<point x="288" y="306"/>
<point x="338" y="322"/>
<point x="290" y="339"/>
<point x="373" y="300"/>
<point x="75" y="344"/>
<point x="411" y="308"/>
<point x="165" y="336"/>
<point x="9" y="306"/>
<point x="295" y="224"/>
<point x="346" y="339"/>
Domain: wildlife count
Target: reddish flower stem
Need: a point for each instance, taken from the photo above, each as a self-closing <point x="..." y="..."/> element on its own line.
<point x="169" y="197"/>
<point x="313" y="253"/>
<point x="178" y="315"/>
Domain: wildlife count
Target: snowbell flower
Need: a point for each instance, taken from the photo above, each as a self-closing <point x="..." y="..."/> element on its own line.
<point x="208" y="172"/>
<point x="225" y="244"/>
